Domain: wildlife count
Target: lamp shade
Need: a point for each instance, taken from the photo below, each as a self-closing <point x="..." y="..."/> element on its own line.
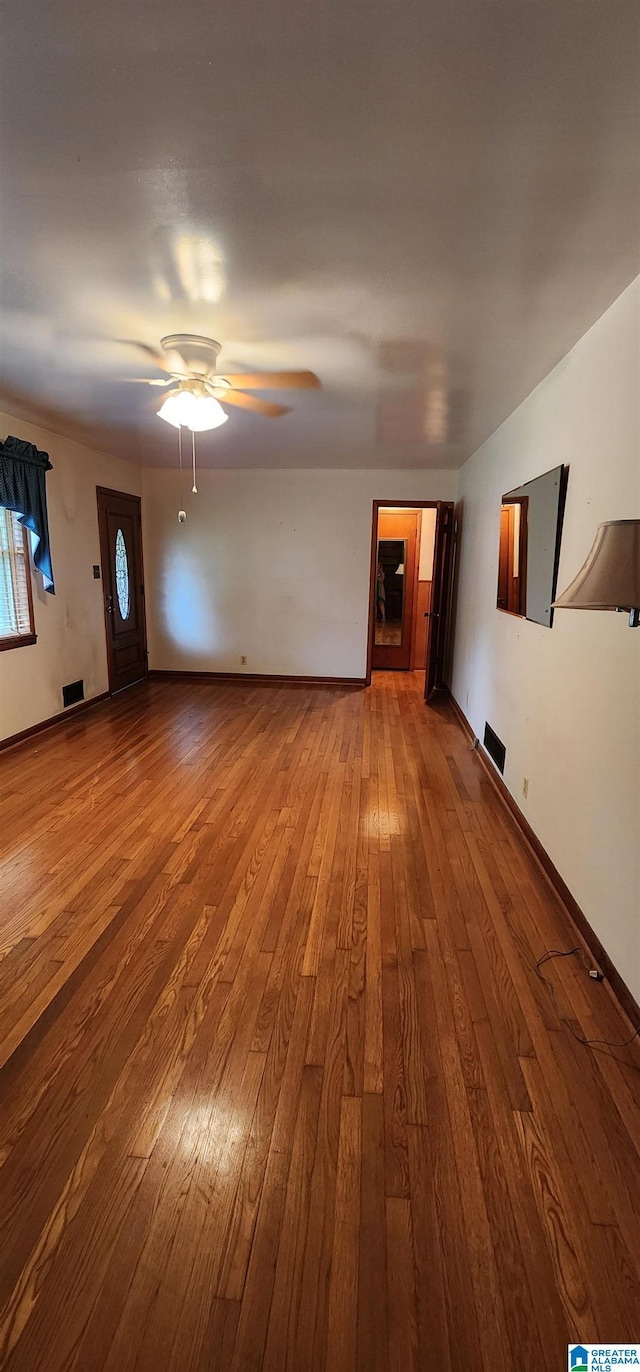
<point x="610" y="577"/>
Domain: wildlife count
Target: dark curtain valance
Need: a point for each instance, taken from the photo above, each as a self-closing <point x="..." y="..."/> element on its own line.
<point x="23" y="490"/>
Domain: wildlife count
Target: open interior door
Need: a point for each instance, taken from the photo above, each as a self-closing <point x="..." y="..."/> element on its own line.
<point x="440" y="599"/>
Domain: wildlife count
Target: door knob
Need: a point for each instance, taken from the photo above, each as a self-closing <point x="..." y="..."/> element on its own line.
<point x="431" y="614"/>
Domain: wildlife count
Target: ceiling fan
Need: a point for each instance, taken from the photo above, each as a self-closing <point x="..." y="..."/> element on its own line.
<point x="197" y="388"/>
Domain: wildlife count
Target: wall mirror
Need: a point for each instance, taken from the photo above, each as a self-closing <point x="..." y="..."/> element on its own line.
<point x="392" y="554"/>
<point x="530" y="532"/>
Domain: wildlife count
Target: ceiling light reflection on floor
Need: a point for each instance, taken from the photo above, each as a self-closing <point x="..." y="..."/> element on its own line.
<point x="208" y="1134"/>
<point x="378" y="821"/>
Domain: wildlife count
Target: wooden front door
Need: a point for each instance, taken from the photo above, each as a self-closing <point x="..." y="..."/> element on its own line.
<point x="394" y="590"/>
<point x="437" y="616"/>
<point x="123" y="586"/>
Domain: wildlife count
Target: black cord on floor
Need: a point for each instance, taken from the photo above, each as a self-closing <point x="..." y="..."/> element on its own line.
<point x="570" y="953"/>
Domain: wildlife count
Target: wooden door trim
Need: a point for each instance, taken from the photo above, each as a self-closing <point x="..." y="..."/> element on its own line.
<point x="378" y="505"/>
<point x="104" y="559"/>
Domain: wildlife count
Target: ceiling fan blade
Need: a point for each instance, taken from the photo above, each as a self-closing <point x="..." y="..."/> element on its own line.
<point x="146" y="381"/>
<point x="165" y="362"/>
<point x="272" y="381"/>
<point x="253" y="403"/>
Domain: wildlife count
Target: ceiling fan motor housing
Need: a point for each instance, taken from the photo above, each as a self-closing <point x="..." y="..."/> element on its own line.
<point x="199" y="354"/>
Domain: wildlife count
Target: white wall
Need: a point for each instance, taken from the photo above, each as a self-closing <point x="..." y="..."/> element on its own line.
<point x="565" y="700"/>
<point x="70" y="625"/>
<point x="272" y="564"/>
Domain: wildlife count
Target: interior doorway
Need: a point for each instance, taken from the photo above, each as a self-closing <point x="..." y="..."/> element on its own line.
<point x="120" y="527"/>
<point x="397" y="562"/>
<point x="411" y="563"/>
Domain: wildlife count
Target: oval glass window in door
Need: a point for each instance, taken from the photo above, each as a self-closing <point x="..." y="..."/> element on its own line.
<point x="122" y="576"/>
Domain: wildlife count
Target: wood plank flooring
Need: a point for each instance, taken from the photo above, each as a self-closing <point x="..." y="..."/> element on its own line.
<point x="279" y="1088"/>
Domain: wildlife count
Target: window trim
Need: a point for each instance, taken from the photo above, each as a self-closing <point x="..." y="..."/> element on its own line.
<point x="23" y="640"/>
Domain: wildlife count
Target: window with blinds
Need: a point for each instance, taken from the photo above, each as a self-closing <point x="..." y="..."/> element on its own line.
<point x="16" y="607"/>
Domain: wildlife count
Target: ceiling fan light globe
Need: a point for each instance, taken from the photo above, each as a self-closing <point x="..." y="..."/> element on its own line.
<point x="182" y="409"/>
<point x="177" y="408"/>
<point x="206" y="413"/>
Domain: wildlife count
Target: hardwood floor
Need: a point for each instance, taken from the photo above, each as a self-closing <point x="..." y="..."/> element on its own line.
<point x="281" y="1089"/>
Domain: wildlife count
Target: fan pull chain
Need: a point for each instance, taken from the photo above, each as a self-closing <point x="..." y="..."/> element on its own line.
<point x="182" y="514"/>
<point x="194" y="488"/>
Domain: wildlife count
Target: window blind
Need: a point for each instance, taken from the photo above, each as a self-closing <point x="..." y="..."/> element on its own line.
<point x="15" y="616"/>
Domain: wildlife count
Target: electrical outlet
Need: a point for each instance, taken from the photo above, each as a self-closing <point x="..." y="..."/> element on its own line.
<point x="525" y="787"/>
<point x="243" y="660"/>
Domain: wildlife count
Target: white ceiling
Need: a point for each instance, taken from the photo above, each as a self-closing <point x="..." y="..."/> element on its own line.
<point x="425" y="201"/>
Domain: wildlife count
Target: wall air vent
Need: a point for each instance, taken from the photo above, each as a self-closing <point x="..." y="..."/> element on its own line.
<point x="72" y="693"/>
<point x="495" y="748"/>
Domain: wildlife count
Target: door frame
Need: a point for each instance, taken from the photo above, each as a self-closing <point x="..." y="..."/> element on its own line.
<point x="381" y="505"/>
<point x="104" y="562"/>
